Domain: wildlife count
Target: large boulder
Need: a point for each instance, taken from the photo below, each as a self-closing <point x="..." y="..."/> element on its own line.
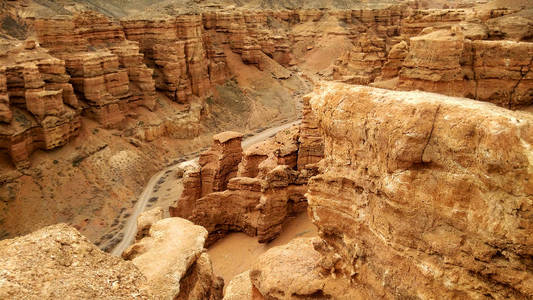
<point x="172" y="258"/>
<point x="57" y="262"/>
<point x="291" y="271"/>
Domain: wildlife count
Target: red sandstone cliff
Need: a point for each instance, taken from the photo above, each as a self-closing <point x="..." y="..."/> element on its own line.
<point x="430" y="204"/>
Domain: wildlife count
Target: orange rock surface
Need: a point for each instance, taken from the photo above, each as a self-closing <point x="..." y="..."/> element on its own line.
<point x="268" y="189"/>
<point x="423" y="195"/>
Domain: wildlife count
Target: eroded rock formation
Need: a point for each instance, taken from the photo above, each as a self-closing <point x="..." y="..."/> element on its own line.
<point x="107" y="70"/>
<point x="172" y="258"/>
<point x="426" y="187"/>
<point x="219" y="164"/>
<point x="460" y="52"/>
<point x="146" y="220"/>
<point x="39" y="109"/>
<point x="188" y="60"/>
<point x="58" y="262"/>
<point x="493" y="71"/>
<point x="292" y="271"/>
<point x="257" y="200"/>
<point x="435" y="190"/>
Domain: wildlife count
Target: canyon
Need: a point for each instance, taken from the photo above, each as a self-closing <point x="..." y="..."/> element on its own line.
<point x="266" y="150"/>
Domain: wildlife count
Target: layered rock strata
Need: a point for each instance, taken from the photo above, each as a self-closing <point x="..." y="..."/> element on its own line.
<point x="219" y="164"/>
<point x="173" y="260"/>
<point x="268" y="187"/>
<point x="431" y="204"/>
<point x="39" y="109"/>
<point x="107" y="71"/>
<point x="188" y="60"/>
<point x="311" y="144"/>
<point x="493" y="71"/>
<point x="111" y="63"/>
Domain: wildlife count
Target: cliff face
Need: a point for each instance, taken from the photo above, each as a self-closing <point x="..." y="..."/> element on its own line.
<point x="86" y="67"/>
<point x="252" y="192"/>
<point x="172" y="258"/>
<point x="39" y="107"/>
<point x="186" y="60"/>
<point x="422" y="195"/>
<point x="493" y="71"/>
<point x="115" y="66"/>
<point x="108" y="73"/>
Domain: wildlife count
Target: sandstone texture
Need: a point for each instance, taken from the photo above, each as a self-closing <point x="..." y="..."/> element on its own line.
<point x="58" y="262"/>
<point x="188" y="60"/>
<point x="172" y="259"/>
<point x="291" y="271"/>
<point x="38" y="106"/>
<point x="112" y="66"/>
<point x="240" y="288"/>
<point x="90" y="102"/>
<point x="219" y="163"/>
<point x="419" y="195"/>
<point x="493" y="71"/>
<point x="252" y="191"/>
<point x="422" y="195"/>
<point x="146" y="220"/>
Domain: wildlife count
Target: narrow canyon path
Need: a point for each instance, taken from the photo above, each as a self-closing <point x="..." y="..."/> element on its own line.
<point x="130" y="229"/>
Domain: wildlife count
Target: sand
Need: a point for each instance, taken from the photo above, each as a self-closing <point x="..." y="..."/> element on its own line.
<point x="236" y="252"/>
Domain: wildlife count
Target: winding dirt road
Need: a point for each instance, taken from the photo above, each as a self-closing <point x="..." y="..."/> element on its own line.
<point x="130" y="229"/>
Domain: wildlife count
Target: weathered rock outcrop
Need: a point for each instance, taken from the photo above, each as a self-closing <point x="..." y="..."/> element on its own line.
<point x="107" y="71"/>
<point x="234" y="209"/>
<point x="241" y="288"/>
<point x="58" y="262"/>
<point x="268" y="189"/>
<point x="423" y="195"/>
<point x="493" y="71"/>
<point x="5" y="113"/>
<point x="288" y="272"/>
<point x="418" y="20"/>
<point x="311" y="144"/>
<point x="219" y="164"/>
<point x="188" y="60"/>
<point x="292" y="271"/>
<point x="111" y="63"/>
<point x="38" y="108"/>
<point x="395" y="60"/>
<point x="173" y="260"/>
<point x="146" y="220"/>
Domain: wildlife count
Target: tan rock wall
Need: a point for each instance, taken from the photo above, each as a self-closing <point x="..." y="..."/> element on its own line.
<point x="448" y="63"/>
<point x="258" y="205"/>
<point x="422" y="195"/>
